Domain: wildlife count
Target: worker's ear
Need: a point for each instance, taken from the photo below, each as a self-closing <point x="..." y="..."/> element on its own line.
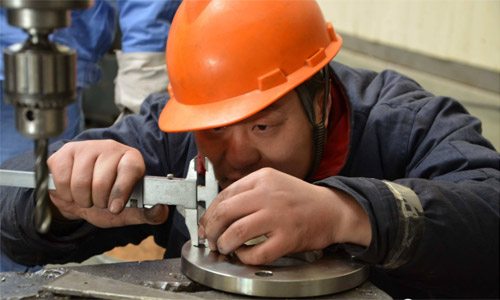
<point x="318" y="107"/>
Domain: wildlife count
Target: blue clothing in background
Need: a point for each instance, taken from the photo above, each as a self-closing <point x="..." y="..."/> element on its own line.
<point x="145" y="24"/>
<point x="90" y="34"/>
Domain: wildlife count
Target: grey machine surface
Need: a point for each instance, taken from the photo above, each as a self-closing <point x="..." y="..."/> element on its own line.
<point x="149" y="280"/>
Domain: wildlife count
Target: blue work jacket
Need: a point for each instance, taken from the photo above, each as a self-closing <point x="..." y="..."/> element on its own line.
<point x="400" y="134"/>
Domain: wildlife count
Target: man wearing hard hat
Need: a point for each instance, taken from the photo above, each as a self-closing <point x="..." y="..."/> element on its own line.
<point x="308" y="153"/>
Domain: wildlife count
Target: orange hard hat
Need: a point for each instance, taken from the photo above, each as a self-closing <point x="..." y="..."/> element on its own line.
<point x="229" y="59"/>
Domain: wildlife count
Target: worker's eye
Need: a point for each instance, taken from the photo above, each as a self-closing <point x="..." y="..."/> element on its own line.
<point x="261" y="127"/>
<point x="218" y="129"/>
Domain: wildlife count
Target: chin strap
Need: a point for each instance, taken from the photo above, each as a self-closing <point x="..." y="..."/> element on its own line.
<point x="306" y="92"/>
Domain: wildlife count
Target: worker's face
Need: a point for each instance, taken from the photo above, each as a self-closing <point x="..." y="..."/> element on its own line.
<point x="279" y="137"/>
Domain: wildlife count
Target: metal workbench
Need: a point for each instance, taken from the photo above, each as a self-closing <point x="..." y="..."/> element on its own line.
<point x="159" y="279"/>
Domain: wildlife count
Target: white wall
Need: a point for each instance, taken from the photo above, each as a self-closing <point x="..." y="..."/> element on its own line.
<point x="465" y="31"/>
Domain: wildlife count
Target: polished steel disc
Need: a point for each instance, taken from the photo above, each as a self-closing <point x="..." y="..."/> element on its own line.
<point x="308" y="275"/>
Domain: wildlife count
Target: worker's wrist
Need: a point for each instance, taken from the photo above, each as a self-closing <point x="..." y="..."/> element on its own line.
<point x="353" y="222"/>
<point x="61" y="226"/>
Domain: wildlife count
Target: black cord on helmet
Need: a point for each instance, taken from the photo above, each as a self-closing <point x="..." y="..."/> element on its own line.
<point x="306" y="92"/>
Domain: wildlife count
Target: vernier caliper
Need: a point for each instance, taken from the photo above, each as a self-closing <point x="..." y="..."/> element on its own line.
<point x="151" y="190"/>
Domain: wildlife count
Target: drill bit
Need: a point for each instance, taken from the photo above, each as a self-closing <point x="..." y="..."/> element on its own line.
<point x="40" y="81"/>
<point x="43" y="215"/>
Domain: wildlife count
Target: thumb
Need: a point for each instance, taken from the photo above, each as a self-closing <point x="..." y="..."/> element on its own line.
<point x="156" y="215"/>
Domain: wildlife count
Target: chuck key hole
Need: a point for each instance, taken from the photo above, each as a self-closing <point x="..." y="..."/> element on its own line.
<point x="30" y="115"/>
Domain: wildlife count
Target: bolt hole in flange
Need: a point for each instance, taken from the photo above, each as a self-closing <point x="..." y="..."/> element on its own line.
<point x="202" y="243"/>
<point x="264" y="273"/>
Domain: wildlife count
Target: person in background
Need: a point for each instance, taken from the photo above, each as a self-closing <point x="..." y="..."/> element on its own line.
<point x="141" y="60"/>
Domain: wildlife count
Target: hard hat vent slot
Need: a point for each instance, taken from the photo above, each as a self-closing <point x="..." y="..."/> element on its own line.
<point x="170" y="91"/>
<point x="331" y="31"/>
<point x="316" y="58"/>
<point x="271" y="79"/>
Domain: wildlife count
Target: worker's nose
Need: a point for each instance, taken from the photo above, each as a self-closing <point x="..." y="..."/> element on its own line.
<point x="241" y="153"/>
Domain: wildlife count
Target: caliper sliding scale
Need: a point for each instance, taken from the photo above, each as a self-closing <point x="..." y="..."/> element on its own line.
<point x="151" y="190"/>
<point x="306" y="275"/>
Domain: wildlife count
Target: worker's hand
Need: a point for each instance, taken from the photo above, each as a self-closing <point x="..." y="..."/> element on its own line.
<point x="294" y="215"/>
<point x="94" y="180"/>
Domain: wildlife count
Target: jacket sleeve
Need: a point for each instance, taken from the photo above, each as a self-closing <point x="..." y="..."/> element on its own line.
<point x="79" y="240"/>
<point x="145" y="24"/>
<point x="429" y="183"/>
<point x="141" y="63"/>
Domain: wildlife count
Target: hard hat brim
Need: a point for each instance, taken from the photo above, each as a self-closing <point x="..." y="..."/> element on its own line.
<point x="179" y="117"/>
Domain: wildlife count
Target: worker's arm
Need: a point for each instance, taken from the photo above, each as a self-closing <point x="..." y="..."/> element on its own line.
<point x="442" y="236"/>
<point x="427" y="180"/>
<point x="94" y="180"/>
<point x="77" y="240"/>
<point x="294" y="215"/>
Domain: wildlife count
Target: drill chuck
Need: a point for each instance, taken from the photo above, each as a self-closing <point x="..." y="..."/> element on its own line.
<point x="40" y="81"/>
<point x="46" y="85"/>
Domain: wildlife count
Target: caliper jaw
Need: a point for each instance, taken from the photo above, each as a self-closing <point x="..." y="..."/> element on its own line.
<point x="205" y="193"/>
<point x="186" y="194"/>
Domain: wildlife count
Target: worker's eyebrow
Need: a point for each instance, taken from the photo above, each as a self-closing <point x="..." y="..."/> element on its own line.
<point x="276" y="109"/>
<point x="271" y="109"/>
<point x="275" y="106"/>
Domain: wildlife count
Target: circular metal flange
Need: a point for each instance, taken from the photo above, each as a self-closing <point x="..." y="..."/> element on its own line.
<point x="287" y="277"/>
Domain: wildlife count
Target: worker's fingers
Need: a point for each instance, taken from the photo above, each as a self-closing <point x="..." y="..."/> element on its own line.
<point x="130" y="169"/>
<point x="225" y="213"/>
<point x="68" y="210"/>
<point x="94" y="180"/>
<point x="243" y="230"/>
<point x="100" y="217"/>
<point x="61" y="165"/>
<point x="81" y="177"/>
<point x="263" y="253"/>
<point x="104" y="176"/>
<point x="238" y="187"/>
<point x="156" y="215"/>
<point x="136" y="216"/>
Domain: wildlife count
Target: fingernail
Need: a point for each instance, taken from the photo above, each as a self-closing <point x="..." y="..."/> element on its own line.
<point x="221" y="250"/>
<point x="201" y="232"/>
<point x="115" y="206"/>
<point x="156" y="214"/>
<point x="212" y="246"/>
